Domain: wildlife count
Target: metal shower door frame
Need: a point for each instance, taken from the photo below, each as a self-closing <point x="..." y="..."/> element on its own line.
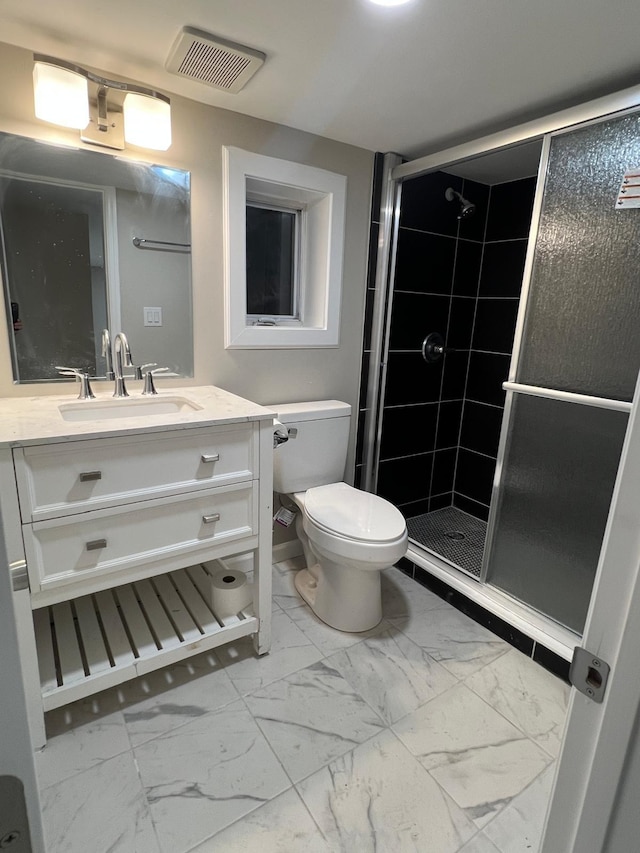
<point x="381" y="320"/>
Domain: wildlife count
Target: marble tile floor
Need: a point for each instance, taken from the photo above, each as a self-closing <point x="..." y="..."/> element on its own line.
<point x="426" y="735"/>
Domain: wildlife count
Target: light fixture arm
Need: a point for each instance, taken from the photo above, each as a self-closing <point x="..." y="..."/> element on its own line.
<point x="103" y="119"/>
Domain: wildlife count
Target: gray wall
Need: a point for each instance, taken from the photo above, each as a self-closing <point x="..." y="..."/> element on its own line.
<point x="151" y="278"/>
<point x="199" y="132"/>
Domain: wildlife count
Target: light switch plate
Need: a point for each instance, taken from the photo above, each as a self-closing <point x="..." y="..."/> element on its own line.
<point x="152" y="316"/>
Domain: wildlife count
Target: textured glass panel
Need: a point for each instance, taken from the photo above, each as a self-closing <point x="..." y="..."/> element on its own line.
<point x="557" y="482"/>
<point x="581" y="332"/>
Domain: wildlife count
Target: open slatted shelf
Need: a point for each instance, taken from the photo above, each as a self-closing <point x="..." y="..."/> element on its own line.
<point x="100" y="640"/>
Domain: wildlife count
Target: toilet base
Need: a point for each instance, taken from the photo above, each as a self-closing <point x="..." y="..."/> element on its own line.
<point x="353" y="606"/>
<point x="307" y="586"/>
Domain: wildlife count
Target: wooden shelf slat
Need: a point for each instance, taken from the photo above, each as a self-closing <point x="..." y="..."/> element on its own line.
<point x="46" y="660"/>
<point x="179" y="614"/>
<point x="162" y="628"/>
<point x="139" y="632"/>
<point x="94" y="648"/>
<point x="202" y="613"/>
<point x="69" y="655"/>
<point x="117" y="639"/>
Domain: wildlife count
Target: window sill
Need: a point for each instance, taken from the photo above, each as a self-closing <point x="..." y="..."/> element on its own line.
<point x="282" y="337"/>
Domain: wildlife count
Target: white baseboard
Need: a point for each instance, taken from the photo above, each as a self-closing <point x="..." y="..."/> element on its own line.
<point x="286" y="550"/>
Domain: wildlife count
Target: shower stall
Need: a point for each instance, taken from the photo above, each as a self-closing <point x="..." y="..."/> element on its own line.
<point x="501" y="356"/>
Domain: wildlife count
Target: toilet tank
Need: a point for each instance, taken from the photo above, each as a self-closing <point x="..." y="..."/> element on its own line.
<point x="317" y="453"/>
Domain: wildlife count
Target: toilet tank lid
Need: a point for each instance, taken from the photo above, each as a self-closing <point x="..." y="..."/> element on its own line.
<point x="313" y="411"/>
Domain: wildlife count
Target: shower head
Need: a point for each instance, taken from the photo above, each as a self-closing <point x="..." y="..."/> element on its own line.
<point x="467" y="208"/>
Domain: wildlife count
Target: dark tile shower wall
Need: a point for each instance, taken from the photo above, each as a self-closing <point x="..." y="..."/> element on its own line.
<point x="495" y="311"/>
<point x="441" y="422"/>
<point x="436" y="282"/>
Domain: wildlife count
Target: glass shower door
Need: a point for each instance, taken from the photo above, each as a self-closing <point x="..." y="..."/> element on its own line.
<point x="573" y="377"/>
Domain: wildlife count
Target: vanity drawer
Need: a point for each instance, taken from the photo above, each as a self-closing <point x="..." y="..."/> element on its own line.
<point x="79" y="476"/>
<point x="65" y="550"/>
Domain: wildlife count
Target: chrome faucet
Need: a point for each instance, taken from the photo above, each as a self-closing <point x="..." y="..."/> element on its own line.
<point x="120" y="345"/>
<point x="106" y="353"/>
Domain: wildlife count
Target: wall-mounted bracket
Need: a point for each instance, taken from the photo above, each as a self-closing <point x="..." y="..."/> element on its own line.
<point x="106" y="123"/>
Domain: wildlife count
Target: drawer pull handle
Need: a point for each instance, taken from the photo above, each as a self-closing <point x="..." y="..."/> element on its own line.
<point x="210" y="457"/>
<point x="96" y="544"/>
<point x="209" y="519"/>
<point x="86" y="476"/>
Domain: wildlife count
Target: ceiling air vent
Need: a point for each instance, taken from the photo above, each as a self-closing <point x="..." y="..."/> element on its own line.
<point x="212" y="60"/>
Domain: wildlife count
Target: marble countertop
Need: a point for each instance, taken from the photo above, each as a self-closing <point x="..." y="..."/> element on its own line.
<point x="39" y="420"/>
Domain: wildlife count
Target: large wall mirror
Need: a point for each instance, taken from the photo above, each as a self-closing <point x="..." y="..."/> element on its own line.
<point x="90" y="241"/>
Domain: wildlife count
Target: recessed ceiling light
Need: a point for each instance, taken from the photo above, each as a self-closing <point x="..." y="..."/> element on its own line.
<point x="390" y="2"/>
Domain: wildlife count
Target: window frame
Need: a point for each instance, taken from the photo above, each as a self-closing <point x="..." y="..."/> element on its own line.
<point x="321" y="196"/>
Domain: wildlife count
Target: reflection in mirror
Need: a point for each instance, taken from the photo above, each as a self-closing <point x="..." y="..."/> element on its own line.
<point x="90" y="241"/>
<point x="57" y="284"/>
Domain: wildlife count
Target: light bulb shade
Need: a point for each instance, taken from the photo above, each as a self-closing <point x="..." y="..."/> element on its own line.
<point x="61" y="96"/>
<point x="147" y="122"/>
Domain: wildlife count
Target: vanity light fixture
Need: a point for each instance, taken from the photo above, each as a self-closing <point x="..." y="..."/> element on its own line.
<point x="390" y="2"/>
<point x="61" y="96"/>
<point x="147" y="121"/>
<point x="106" y="112"/>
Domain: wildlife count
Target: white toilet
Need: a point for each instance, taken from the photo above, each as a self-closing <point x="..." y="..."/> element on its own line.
<point x="348" y="536"/>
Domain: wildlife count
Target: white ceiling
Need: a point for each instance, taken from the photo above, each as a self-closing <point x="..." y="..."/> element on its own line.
<point x="408" y="79"/>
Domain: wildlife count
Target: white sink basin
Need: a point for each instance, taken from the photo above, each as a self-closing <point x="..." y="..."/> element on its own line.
<point x="126" y="407"/>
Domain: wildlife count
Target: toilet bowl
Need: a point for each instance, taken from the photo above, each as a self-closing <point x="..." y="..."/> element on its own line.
<point x="348" y="537"/>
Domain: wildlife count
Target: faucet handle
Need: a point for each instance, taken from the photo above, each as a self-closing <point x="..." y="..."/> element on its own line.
<point x="139" y="372"/>
<point x="149" y="387"/>
<point x="83" y="378"/>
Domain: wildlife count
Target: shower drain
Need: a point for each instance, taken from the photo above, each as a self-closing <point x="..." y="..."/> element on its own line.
<point x="456" y="535"/>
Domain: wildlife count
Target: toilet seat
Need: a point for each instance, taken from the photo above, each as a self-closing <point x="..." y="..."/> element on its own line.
<point x="349" y="513"/>
<point x="346" y="523"/>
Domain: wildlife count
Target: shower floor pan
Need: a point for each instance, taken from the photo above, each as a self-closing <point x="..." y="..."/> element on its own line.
<point x="453" y="535"/>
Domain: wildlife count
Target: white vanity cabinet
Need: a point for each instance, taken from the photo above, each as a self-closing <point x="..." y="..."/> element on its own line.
<point x="118" y="534"/>
<point x="92" y="510"/>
